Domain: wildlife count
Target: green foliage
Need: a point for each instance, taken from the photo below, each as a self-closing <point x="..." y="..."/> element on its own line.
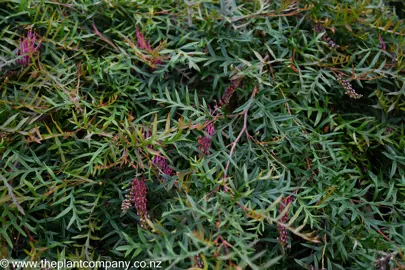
<point x="94" y="107"/>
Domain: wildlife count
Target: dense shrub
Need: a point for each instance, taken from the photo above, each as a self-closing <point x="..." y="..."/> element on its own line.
<point x="214" y="134"/>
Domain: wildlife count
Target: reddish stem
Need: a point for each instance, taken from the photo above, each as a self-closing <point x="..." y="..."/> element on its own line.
<point x="244" y="130"/>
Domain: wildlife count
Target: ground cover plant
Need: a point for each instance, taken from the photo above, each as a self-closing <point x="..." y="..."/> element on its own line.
<point x="205" y="134"/>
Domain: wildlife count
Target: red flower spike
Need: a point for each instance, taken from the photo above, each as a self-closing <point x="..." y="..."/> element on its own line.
<point x="283" y="234"/>
<point x="163" y="166"/>
<point x="27" y="47"/>
<point x="229" y="92"/>
<point x="154" y="57"/>
<point x="382" y="44"/>
<point x="137" y="197"/>
<point x="204" y="143"/>
<point x="142" y="42"/>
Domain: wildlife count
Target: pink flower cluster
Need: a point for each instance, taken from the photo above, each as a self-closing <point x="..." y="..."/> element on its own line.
<point x="382" y="44"/>
<point x="229" y="92"/>
<point x="163" y="166"/>
<point x="320" y="29"/>
<point x="283" y="238"/>
<point x="199" y="261"/>
<point x="204" y="143"/>
<point x="142" y="42"/>
<point x="137" y="197"/>
<point x="145" y="45"/>
<point x="27" y="47"/>
<point x="159" y="161"/>
<point x="348" y="87"/>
